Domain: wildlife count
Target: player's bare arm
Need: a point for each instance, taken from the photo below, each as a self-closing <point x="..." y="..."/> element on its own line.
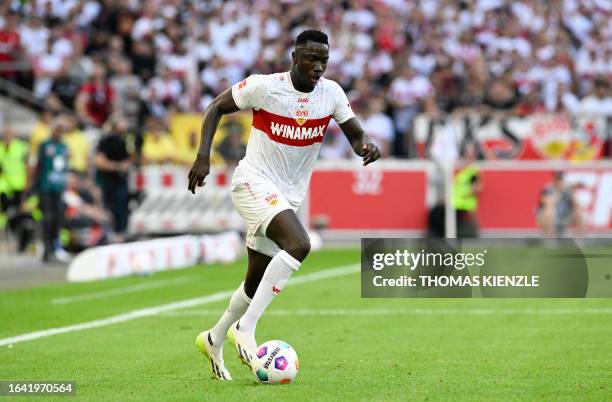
<point x="361" y="143"/>
<point x="222" y="104"/>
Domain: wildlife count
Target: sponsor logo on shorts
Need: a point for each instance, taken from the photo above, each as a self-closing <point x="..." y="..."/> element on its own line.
<point x="272" y="199"/>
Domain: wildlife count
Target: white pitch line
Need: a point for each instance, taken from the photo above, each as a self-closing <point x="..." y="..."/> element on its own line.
<point x="416" y="311"/>
<point x="151" y="311"/>
<point x="121" y="291"/>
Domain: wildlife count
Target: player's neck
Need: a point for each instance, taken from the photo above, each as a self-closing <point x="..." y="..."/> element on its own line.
<point x="297" y="84"/>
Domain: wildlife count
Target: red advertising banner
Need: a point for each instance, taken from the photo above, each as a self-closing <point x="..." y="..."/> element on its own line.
<point x="510" y="196"/>
<point x="394" y="196"/>
<point x="369" y="198"/>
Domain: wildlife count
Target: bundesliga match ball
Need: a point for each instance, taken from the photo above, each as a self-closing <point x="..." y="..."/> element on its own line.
<point x="276" y="363"/>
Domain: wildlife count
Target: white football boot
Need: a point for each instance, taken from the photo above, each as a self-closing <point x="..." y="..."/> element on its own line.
<point x="244" y="342"/>
<point x="214" y="355"/>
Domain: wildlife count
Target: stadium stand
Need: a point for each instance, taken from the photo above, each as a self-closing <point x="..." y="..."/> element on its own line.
<point x="412" y="69"/>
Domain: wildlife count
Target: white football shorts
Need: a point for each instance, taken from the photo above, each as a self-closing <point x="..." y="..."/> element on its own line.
<point x="258" y="200"/>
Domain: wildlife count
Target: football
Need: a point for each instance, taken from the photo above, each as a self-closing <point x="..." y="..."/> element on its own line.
<point x="276" y="363"/>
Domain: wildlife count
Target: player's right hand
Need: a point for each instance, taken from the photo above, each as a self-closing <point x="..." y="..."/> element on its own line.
<point x="198" y="172"/>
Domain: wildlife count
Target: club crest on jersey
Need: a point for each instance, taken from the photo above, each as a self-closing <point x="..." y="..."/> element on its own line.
<point x="301" y="116"/>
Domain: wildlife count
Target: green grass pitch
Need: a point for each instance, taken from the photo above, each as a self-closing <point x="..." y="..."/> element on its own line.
<point x="349" y="348"/>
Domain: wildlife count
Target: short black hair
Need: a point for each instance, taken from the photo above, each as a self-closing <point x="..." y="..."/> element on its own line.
<point x="312" y="35"/>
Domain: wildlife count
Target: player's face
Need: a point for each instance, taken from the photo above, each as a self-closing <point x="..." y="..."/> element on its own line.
<point x="310" y="62"/>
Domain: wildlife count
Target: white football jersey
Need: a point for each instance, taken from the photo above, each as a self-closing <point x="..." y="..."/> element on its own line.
<point x="288" y="128"/>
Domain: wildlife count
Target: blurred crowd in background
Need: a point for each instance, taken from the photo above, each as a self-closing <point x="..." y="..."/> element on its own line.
<point x="143" y="72"/>
<point x="149" y="59"/>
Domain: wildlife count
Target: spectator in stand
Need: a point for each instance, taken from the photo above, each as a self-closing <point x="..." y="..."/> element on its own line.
<point x="501" y="93"/>
<point x="65" y="88"/>
<point x="94" y="103"/>
<point x="80" y="66"/>
<point x="407" y="94"/>
<point x="378" y="126"/>
<point x="144" y="59"/>
<point x="113" y="162"/>
<point x="47" y="66"/>
<point x="61" y="36"/>
<point x="10" y="47"/>
<point x="180" y="62"/>
<point x="447" y="85"/>
<point x="127" y="86"/>
<point x="531" y="103"/>
<point x="161" y="92"/>
<point x="597" y="102"/>
<point x="49" y="182"/>
<point x="34" y="36"/>
<point x="157" y="147"/>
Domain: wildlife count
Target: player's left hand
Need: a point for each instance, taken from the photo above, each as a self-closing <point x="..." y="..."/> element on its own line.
<point x="198" y="172"/>
<point x="369" y="152"/>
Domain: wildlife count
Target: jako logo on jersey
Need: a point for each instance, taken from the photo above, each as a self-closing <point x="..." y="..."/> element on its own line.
<point x="302" y="100"/>
<point x="275" y="290"/>
<point x="272" y="199"/>
<point x="242" y="84"/>
<point x="287" y="130"/>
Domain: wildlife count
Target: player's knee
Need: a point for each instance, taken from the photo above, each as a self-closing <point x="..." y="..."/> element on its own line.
<point x="298" y="248"/>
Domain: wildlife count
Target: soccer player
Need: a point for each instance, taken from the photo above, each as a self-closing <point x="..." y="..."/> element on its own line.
<point x="291" y="111"/>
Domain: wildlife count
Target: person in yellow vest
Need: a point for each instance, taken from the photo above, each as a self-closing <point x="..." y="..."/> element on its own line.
<point x="158" y="147"/>
<point x="78" y="147"/>
<point x="40" y="132"/>
<point x="187" y="153"/>
<point x="13" y="184"/>
<point x="466" y="189"/>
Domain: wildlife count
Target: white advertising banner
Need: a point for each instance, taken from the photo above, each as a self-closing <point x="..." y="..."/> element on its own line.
<point x="148" y="256"/>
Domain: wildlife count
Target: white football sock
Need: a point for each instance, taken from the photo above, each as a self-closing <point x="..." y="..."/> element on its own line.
<point x="274" y="279"/>
<point x="238" y="304"/>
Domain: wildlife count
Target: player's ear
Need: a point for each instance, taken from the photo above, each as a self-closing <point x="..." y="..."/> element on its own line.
<point x="293" y="57"/>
